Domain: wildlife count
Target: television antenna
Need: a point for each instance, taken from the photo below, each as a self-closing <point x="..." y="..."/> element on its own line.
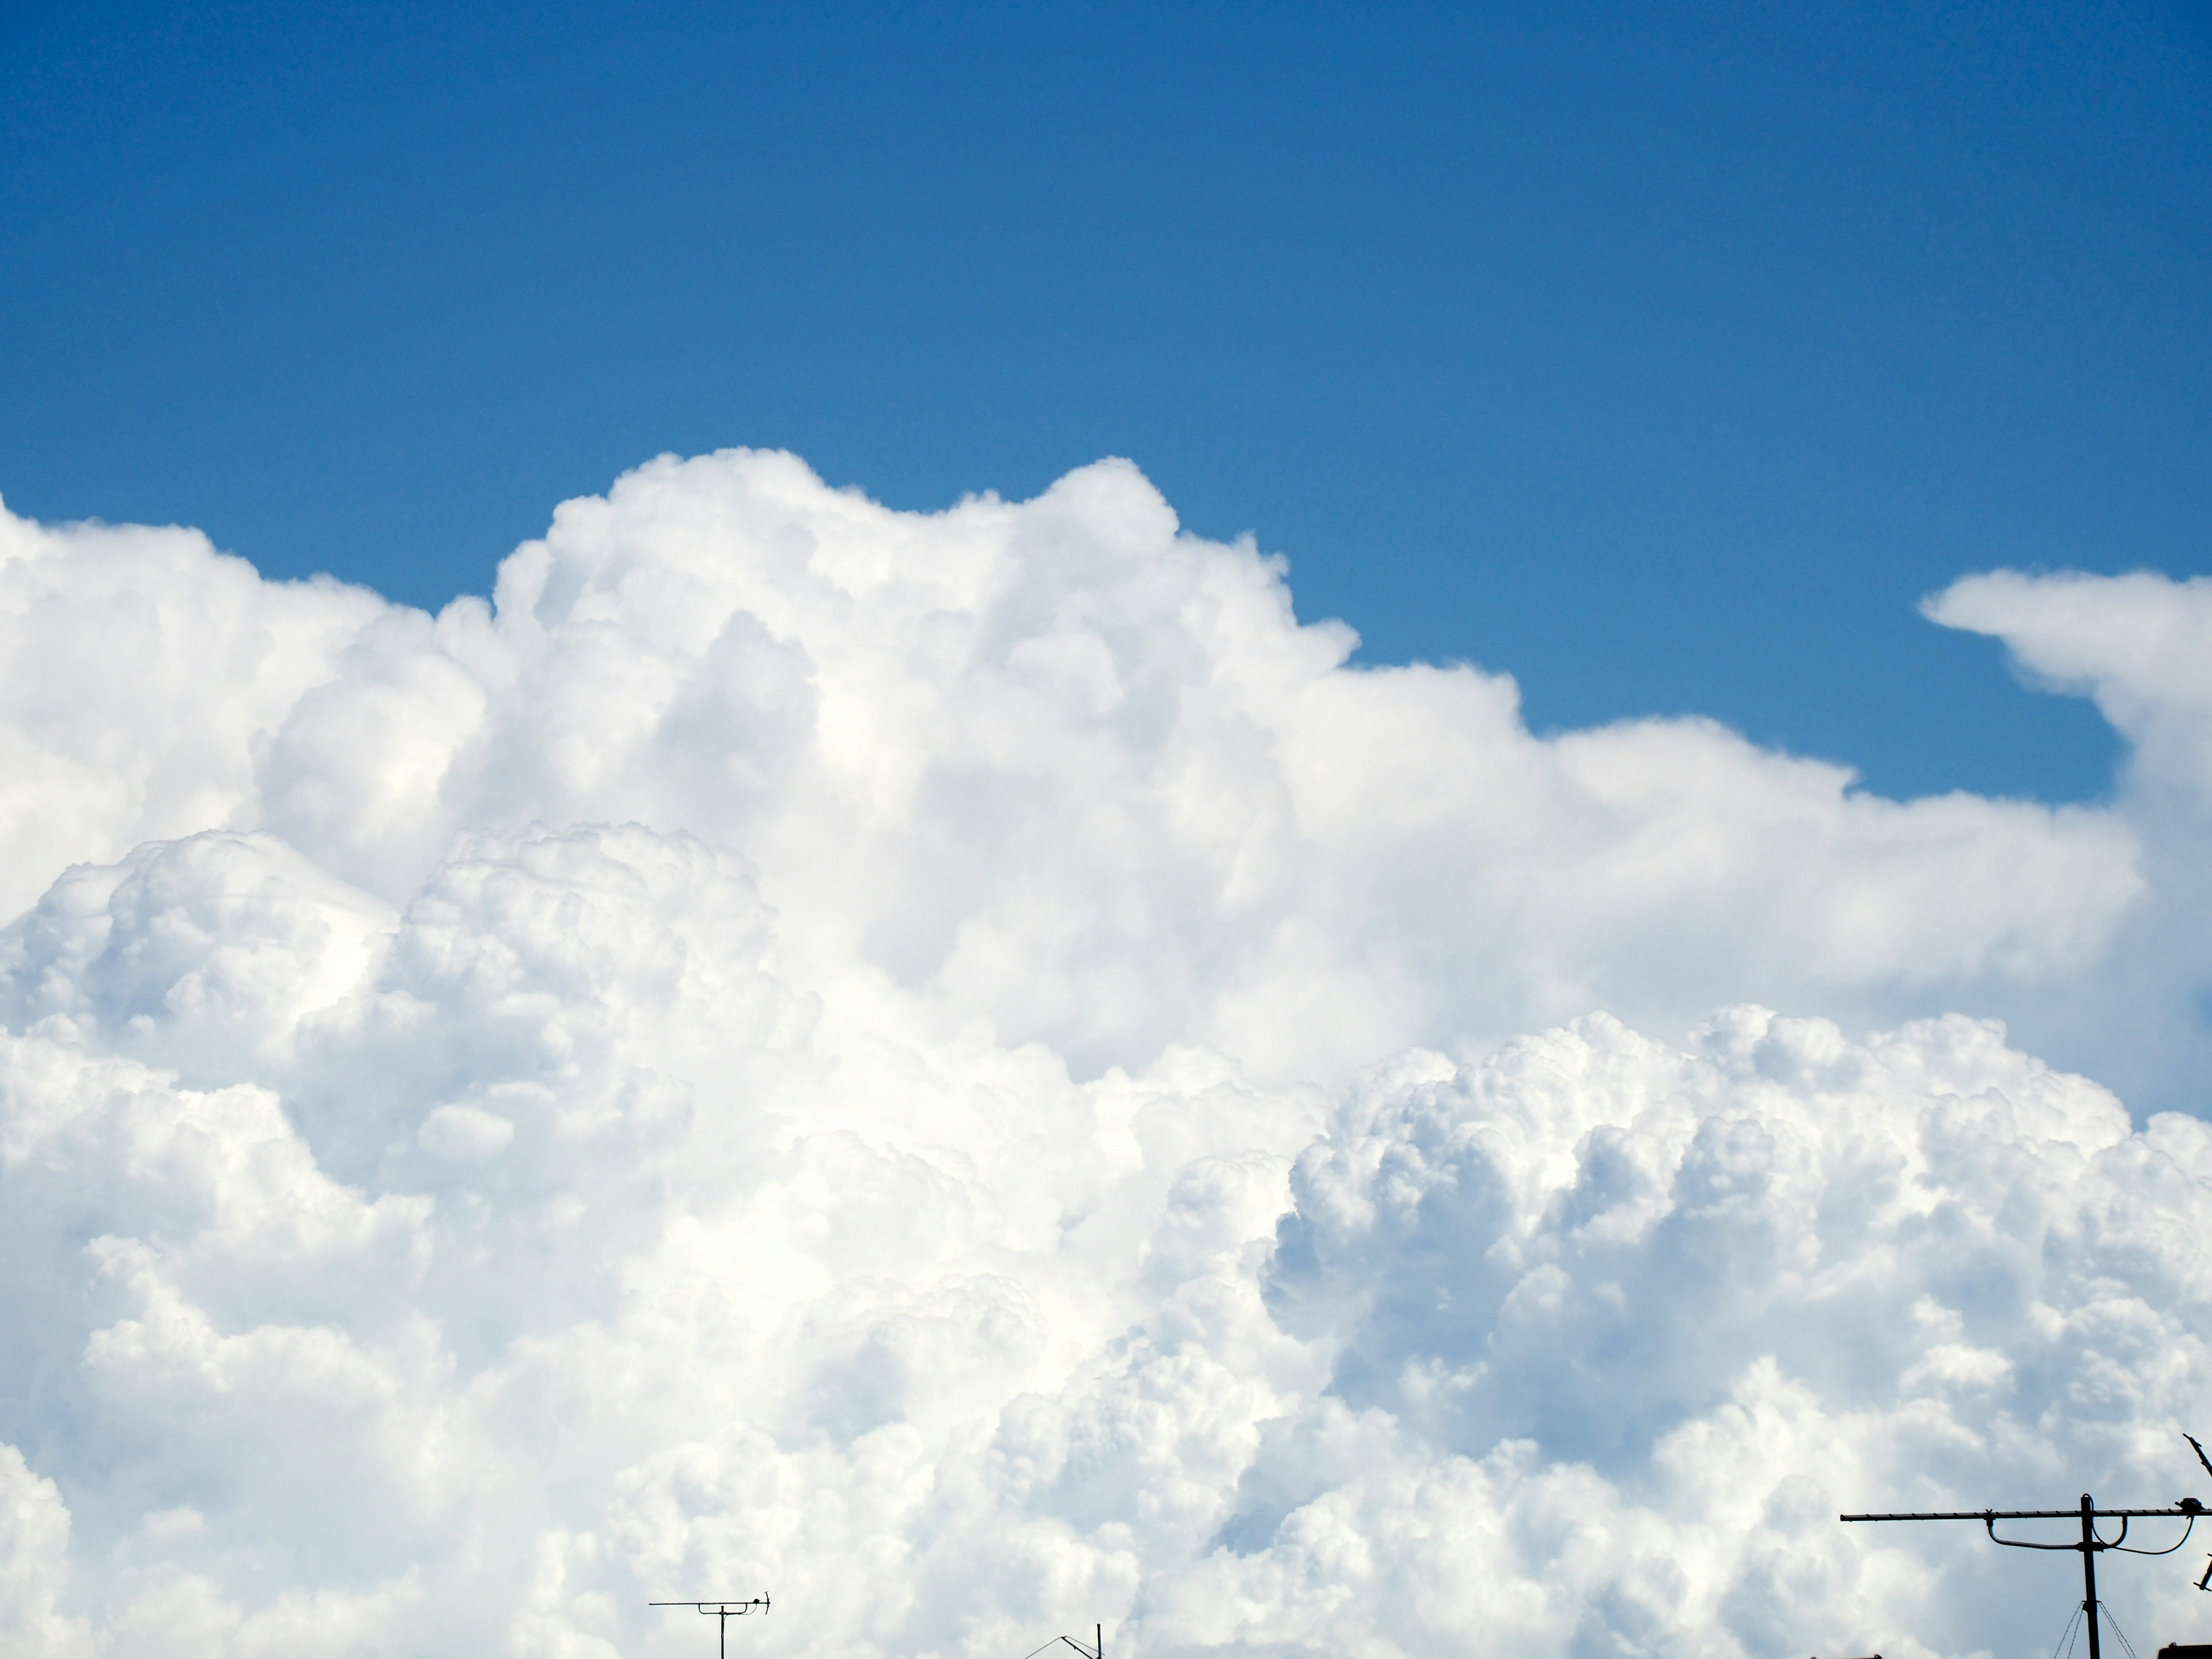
<point x="1096" y="1650"/>
<point x="2205" y="1583"/>
<point x="721" y="1611"/>
<point x="2089" y="1514"/>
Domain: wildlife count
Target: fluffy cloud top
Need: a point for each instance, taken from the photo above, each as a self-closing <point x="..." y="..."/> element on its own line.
<point x="960" y="1069"/>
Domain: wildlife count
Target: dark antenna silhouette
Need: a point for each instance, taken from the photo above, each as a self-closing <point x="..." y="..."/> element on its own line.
<point x="2205" y="1583"/>
<point x="721" y="1611"/>
<point x="2089" y="1514"/>
<point x="1098" y="1650"/>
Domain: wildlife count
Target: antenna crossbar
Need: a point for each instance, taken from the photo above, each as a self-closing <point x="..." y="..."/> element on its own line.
<point x="2188" y="1506"/>
<point x="1096" y="1650"/>
<point x="2091" y="1544"/>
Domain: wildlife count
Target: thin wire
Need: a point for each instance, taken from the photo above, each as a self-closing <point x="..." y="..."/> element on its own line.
<point x="2065" y="1638"/>
<point x="2117" y="1631"/>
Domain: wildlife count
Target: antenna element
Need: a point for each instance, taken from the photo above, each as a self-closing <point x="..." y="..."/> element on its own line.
<point x="722" y="1611"/>
<point x="2089" y="1514"/>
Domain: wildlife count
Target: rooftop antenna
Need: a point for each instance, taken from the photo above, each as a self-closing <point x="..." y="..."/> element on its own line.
<point x="722" y="1611"/>
<point x="1096" y="1650"/>
<point x="2089" y="1514"/>
<point x="2205" y="1583"/>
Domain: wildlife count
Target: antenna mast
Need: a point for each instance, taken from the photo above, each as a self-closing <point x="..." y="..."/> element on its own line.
<point x="722" y="1612"/>
<point x="1096" y="1650"/>
<point x="2089" y="1514"/>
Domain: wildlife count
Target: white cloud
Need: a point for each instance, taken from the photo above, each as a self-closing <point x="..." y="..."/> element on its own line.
<point x="1057" y="766"/>
<point x="959" y="1069"/>
<point x="140" y="674"/>
<point x="34" y="1531"/>
<point x="2137" y="645"/>
<point x="464" y="1133"/>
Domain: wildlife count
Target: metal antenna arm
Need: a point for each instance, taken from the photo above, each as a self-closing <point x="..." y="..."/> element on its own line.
<point x="1989" y="1523"/>
<point x="2168" y="1550"/>
<point x="721" y="1612"/>
<point x="1097" y="1652"/>
<point x="2090" y="1545"/>
<point x="2177" y="1510"/>
<point x="721" y="1609"/>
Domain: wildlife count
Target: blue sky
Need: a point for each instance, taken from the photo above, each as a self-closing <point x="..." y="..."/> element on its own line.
<point x="1662" y="357"/>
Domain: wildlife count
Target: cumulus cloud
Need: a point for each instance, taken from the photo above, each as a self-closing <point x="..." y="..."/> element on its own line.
<point x="961" y="1069"/>
<point x="1058" y="766"/>
<point x="2136" y="645"/>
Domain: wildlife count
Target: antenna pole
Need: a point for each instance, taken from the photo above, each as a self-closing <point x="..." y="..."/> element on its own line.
<point x="721" y="1612"/>
<point x="1096" y="1650"/>
<point x="2089" y="1548"/>
<point x="2187" y="1509"/>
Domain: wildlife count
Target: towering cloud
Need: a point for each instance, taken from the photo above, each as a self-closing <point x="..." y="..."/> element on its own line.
<point x="963" y="1069"/>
